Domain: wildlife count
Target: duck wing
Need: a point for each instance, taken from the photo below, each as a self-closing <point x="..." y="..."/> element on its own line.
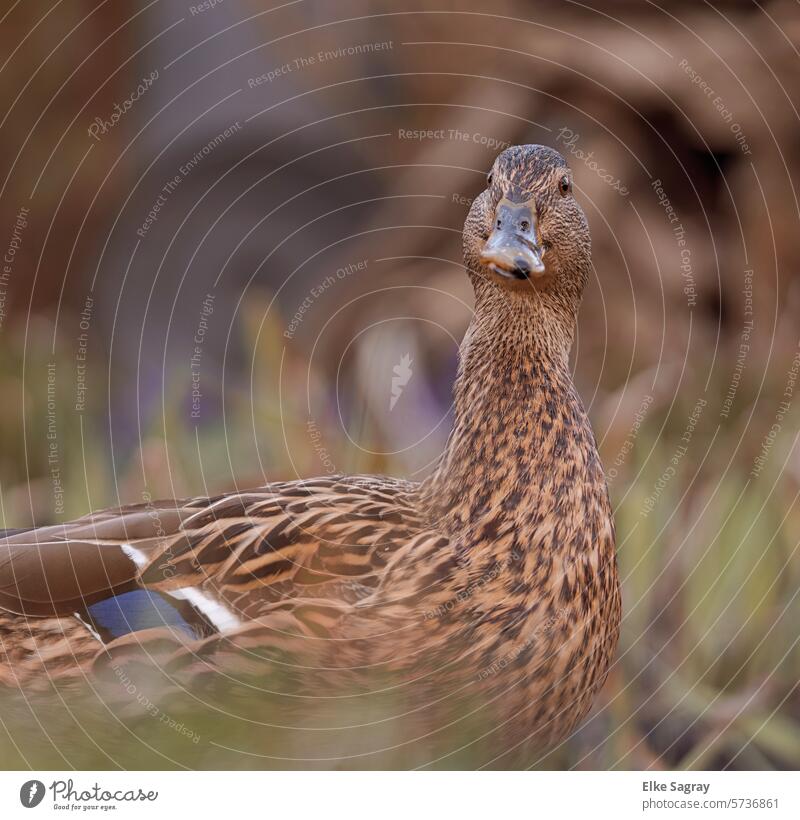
<point x="289" y="538"/>
<point x="58" y="569"/>
<point x="302" y="552"/>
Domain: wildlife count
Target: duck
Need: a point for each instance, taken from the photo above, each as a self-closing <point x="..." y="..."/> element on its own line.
<point x="492" y="581"/>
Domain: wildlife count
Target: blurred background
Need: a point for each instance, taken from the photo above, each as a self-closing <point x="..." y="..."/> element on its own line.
<point x="226" y="224"/>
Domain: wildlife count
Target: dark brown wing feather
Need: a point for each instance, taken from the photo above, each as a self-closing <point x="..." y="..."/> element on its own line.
<point x="296" y="556"/>
<point x="59" y="569"/>
<point x="287" y="537"/>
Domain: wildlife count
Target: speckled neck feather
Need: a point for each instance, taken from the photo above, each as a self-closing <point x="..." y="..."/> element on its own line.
<point x="519" y="424"/>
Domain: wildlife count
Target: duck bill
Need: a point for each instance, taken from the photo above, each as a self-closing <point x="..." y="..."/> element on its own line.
<point x="513" y="255"/>
<point x="513" y="249"/>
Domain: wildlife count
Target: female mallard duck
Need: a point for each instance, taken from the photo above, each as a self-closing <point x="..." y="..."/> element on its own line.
<point x="495" y="577"/>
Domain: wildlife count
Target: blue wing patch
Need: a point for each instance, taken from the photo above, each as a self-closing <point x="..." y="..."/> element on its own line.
<point x="136" y="610"/>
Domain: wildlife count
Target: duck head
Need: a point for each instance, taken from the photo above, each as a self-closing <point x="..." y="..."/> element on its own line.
<point x="526" y="232"/>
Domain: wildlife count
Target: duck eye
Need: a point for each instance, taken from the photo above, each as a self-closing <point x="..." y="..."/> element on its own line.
<point x="564" y="185"/>
<point x="489" y="178"/>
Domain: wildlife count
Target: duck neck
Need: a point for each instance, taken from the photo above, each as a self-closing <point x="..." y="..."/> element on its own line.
<point x="516" y="410"/>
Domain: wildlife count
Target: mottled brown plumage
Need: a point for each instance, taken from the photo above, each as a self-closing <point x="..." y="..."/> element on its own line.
<point x="492" y="582"/>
